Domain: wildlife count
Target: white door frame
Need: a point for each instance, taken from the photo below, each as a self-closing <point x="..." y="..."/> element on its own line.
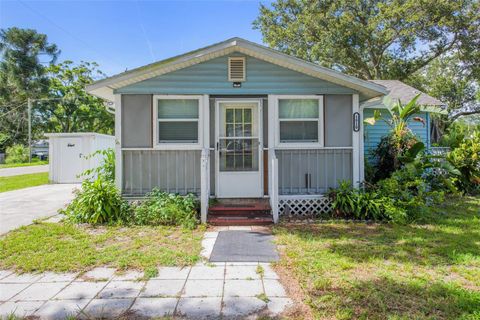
<point x="259" y="103"/>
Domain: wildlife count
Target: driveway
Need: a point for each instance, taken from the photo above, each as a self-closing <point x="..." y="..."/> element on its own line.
<point x="21" y="207"/>
<point x="7" y="172"/>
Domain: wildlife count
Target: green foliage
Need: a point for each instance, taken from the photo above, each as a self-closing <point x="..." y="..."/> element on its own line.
<point x="74" y="110"/>
<point x="456" y="133"/>
<point x="16" y="154"/>
<point x="400" y="145"/>
<point x="466" y="159"/>
<point x="448" y="79"/>
<point x="160" y="208"/>
<point x="24" y="54"/>
<point x="372" y="39"/>
<point x="97" y="202"/>
<point x="353" y="203"/>
<point x="392" y="152"/>
<point x="106" y="169"/>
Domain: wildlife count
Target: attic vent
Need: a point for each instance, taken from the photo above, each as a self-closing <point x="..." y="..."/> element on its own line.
<point x="236" y="69"/>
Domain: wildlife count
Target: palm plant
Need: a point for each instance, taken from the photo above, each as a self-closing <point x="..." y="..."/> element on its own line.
<point x="400" y="145"/>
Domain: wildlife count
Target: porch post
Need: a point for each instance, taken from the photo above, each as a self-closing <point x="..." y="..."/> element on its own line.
<point x="205" y="160"/>
<point x="356" y="144"/>
<point x="118" y="142"/>
<point x="362" y="148"/>
<point x="272" y="160"/>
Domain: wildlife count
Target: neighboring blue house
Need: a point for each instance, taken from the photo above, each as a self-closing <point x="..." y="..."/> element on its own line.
<point x="403" y="92"/>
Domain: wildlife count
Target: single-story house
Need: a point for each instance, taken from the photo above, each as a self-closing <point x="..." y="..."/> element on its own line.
<point x="266" y="132"/>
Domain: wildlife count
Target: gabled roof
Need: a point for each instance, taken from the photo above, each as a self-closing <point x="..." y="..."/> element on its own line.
<point x="399" y="91"/>
<point x="104" y="88"/>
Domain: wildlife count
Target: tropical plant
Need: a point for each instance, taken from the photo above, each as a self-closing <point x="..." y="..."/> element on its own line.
<point x="97" y="202"/>
<point x="400" y="145"/>
<point x="17" y="154"/>
<point x="466" y="159"/>
<point x="161" y="208"/>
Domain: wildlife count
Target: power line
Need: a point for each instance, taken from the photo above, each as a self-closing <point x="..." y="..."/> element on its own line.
<point x="69" y="33"/>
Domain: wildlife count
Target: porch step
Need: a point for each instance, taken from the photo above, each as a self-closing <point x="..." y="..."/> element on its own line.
<point x="239" y="221"/>
<point x="241" y="213"/>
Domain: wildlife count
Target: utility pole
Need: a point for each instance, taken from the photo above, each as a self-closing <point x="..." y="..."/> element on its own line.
<point x="29" y="130"/>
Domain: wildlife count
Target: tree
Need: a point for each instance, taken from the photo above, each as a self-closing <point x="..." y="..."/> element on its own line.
<point x="24" y="56"/>
<point x="373" y="39"/>
<point x="75" y="110"/>
<point x="448" y="79"/>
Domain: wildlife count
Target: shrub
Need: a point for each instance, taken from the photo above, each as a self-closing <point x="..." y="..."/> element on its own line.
<point x="160" y="208"/>
<point x="389" y="155"/>
<point x="466" y="159"/>
<point x="16" y="154"/>
<point x="107" y="165"/>
<point x="98" y="201"/>
<point x="353" y="203"/>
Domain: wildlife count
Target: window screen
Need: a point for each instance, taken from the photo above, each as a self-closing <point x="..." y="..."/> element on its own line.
<point x="299" y="120"/>
<point x="177" y="120"/>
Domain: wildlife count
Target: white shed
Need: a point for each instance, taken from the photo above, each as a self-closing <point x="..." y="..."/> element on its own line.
<point x="68" y="154"/>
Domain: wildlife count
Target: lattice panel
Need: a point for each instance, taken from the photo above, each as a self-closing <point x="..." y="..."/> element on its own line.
<point x="304" y="207"/>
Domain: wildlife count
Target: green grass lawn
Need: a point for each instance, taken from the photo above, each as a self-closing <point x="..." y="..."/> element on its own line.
<point x="65" y="247"/>
<point x="28" y="164"/>
<point x="23" y="181"/>
<point x="382" y="271"/>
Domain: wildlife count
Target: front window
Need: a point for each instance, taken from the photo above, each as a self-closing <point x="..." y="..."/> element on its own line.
<point x="300" y="120"/>
<point x="178" y="120"/>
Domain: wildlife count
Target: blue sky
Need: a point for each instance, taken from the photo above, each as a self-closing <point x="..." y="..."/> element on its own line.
<point x="127" y="34"/>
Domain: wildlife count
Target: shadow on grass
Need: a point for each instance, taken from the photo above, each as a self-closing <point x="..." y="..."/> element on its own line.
<point x="451" y="235"/>
<point x="386" y="298"/>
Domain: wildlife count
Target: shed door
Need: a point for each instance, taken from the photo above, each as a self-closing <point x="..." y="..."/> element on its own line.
<point x="71" y="158"/>
<point x="238" y="150"/>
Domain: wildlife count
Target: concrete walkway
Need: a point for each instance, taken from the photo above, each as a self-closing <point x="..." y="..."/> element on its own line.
<point x="204" y="291"/>
<point x="21" y="207"/>
<point x="7" y="172"/>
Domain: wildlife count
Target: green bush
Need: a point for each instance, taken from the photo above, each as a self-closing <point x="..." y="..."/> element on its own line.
<point x="160" y="208"/>
<point x="16" y="154"/>
<point x="391" y="153"/>
<point x="353" y="203"/>
<point x="466" y="159"/>
<point x="107" y="165"/>
<point x="98" y="201"/>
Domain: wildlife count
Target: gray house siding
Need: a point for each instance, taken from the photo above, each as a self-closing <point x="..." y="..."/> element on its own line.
<point x="137" y="121"/>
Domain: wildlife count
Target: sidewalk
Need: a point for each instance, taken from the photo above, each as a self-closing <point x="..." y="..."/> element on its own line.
<point x="7" y="172"/>
<point x="206" y="290"/>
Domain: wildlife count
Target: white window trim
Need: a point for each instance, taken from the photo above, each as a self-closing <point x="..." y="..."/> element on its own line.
<point x="178" y="145"/>
<point x="297" y="145"/>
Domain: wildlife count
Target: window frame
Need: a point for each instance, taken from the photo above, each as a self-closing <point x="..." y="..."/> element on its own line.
<point x="178" y="145"/>
<point x="320" y="120"/>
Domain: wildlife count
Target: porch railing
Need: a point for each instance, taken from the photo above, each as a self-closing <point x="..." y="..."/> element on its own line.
<point x="174" y="171"/>
<point x="312" y="171"/>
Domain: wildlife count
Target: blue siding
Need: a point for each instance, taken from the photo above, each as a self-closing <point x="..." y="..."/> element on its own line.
<point x="211" y="78"/>
<point x="373" y="134"/>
